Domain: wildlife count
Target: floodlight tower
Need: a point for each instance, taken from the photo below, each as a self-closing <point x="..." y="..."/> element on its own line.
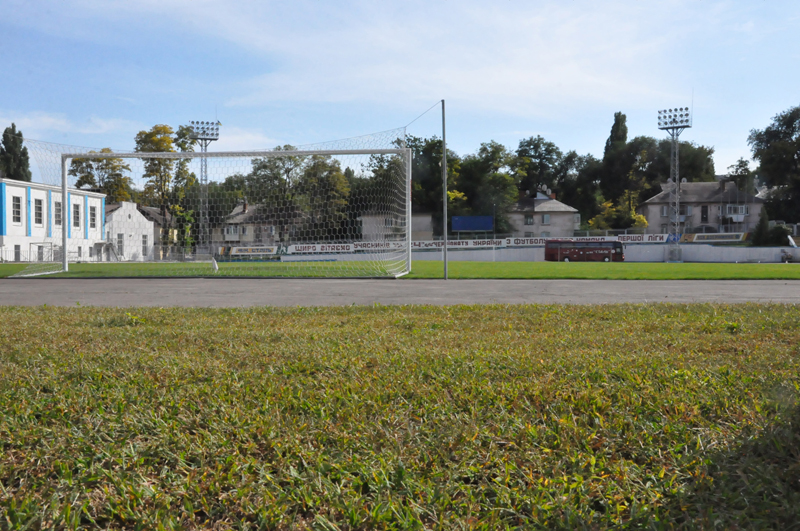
<point x="204" y="133"/>
<point x="674" y="121"/>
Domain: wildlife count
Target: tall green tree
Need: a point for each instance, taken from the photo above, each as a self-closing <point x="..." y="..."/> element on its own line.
<point x="158" y="172"/>
<point x="324" y="193"/>
<point x="185" y="205"/>
<point x="107" y="176"/>
<point x="618" y="136"/>
<point x="426" y="179"/>
<point x="777" y="150"/>
<point x="538" y="163"/>
<point x="490" y="183"/>
<point x="14" y="161"/>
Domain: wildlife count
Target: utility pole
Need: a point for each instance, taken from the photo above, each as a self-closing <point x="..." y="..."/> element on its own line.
<point x="444" y="193"/>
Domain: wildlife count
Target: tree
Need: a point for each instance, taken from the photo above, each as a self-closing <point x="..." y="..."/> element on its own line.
<point x="761" y="232"/>
<point x="741" y="174"/>
<point x="106" y="176"/>
<point x="323" y="198"/>
<point x="777" y="150"/>
<point x="158" y="172"/>
<point x="185" y="205"/>
<point x="490" y="183"/>
<point x="618" y="136"/>
<point x="620" y="216"/>
<point x="14" y="161"/>
<point x="578" y="184"/>
<point x="426" y="179"/>
<point x="539" y="161"/>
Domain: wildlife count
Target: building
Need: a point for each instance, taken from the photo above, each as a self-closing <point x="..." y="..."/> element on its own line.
<point x="704" y="207"/>
<point x="247" y="225"/>
<point x="164" y="233"/>
<point x="542" y="216"/>
<point x="32" y="219"/>
<point x="421" y="225"/>
<point x="130" y="236"/>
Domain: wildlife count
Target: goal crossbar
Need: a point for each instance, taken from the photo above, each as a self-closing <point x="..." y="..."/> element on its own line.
<point x="231" y="154"/>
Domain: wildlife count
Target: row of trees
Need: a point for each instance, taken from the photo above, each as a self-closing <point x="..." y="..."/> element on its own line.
<point x="606" y="191"/>
<point x="311" y="197"/>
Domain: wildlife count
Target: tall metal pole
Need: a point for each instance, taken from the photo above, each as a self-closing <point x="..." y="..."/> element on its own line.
<point x="674" y="121"/>
<point x="65" y="208"/>
<point x="444" y="193"/>
<point x="409" y="217"/>
<point x="205" y="241"/>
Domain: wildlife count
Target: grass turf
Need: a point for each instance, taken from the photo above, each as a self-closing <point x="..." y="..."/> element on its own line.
<point x="456" y="270"/>
<point x="480" y="417"/>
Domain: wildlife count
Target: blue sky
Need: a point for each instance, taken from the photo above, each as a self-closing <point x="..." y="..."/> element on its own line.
<point x="94" y="73"/>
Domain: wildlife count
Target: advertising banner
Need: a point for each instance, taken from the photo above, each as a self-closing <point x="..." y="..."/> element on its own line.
<point x="313" y="248"/>
<point x="250" y="251"/>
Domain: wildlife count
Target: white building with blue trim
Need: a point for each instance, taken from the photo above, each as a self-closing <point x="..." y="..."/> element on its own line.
<point x="32" y="219"/>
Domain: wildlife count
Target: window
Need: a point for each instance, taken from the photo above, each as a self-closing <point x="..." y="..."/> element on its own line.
<point x="545" y="235"/>
<point x="704" y="214"/>
<point x="741" y="210"/>
<point x="92" y="217"/>
<point x="577" y="219"/>
<point x="244" y="231"/>
<point x="79" y="251"/>
<point x="545" y="219"/>
<point x="144" y="245"/>
<point x="16" y="209"/>
<point x="686" y="210"/>
<point x="664" y="229"/>
<point x="528" y="219"/>
<point x="387" y="222"/>
<point x="57" y="214"/>
<point x="38" y="212"/>
<point x="529" y="235"/>
<point x="232" y="229"/>
<point x="120" y="244"/>
<point x="664" y="211"/>
<point x="91" y="252"/>
<point x="76" y="216"/>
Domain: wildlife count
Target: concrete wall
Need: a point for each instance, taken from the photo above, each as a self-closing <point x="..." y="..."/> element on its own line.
<point x="633" y="253"/>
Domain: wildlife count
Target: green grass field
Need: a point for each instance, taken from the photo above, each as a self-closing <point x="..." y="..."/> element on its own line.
<point x="471" y="417"/>
<point x="456" y="270"/>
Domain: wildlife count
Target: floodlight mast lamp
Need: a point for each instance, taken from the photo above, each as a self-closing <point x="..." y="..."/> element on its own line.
<point x="674" y="121"/>
<point x="204" y="133"/>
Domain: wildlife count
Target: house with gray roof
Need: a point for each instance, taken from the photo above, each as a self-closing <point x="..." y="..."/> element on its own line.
<point x="704" y="207"/>
<point x="541" y="216"/>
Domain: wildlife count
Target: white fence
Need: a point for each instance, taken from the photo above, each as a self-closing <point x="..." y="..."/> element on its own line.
<point x="641" y="252"/>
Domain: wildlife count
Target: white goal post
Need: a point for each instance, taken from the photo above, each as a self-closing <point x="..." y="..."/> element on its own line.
<point x="281" y="213"/>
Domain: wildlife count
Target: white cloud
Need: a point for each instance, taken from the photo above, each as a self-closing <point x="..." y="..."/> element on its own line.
<point x="241" y="139"/>
<point x="38" y="124"/>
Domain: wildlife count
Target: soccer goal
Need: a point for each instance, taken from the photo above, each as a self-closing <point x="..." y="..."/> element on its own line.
<point x="290" y="212"/>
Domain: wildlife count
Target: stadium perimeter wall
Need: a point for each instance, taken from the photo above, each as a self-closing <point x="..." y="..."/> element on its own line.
<point x="633" y="253"/>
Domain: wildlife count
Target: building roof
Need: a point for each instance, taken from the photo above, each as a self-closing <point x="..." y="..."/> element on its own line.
<point x="154" y="214"/>
<point x="530" y="204"/>
<point x="261" y="214"/>
<point x="111" y="207"/>
<point x="713" y="192"/>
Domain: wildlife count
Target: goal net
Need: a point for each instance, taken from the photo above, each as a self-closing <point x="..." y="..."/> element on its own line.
<point x="329" y="210"/>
